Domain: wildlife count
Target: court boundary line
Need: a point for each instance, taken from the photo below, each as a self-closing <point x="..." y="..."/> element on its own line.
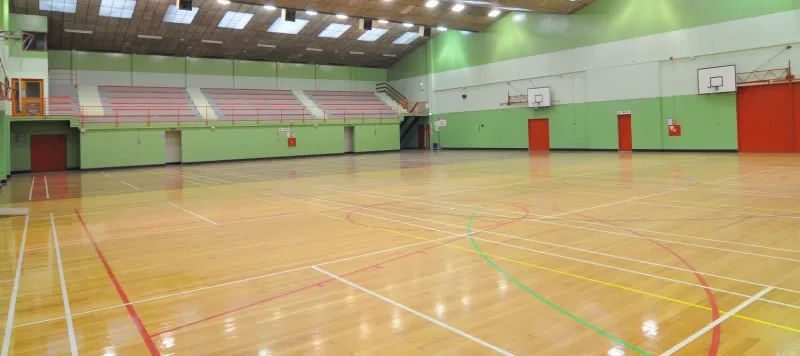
<point x="12" y="305"/>
<point x="131" y="185"/>
<point x="193" y="213"/>
<point x="105" y="174"/>
<point x="412" y="311"/>
<point x="73" y="345"/>
<point x="137" y="321"/>
<point x="715" y="323"/>
<point x="544" y="220"/>
<point x="549" y="253"/>
<point x="33" y="183"/>
<point x="193" y="175"/>
<point x="46" y="188"/>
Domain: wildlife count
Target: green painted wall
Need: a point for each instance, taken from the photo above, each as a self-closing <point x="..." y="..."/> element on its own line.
<point x="334" y="72"/>
<point x="22" y="22"/>
<point x="601" y="22"/>
<point x="5" y="146"/>
<point x="255" y="69"/>
<point x="4" y="14"/>
<point x="158" y="64"/>
<point x="112" y="62"/>
<point x="20" y="145"/>
<point x="296" y="70"/>
<point x="708" y="122"/>
<point x="121" y="148"/>
<point x="369" y="74"/>
<point x="59" y="59"/>
<point x="370" y="138"/>
<point x="209" y="66"/>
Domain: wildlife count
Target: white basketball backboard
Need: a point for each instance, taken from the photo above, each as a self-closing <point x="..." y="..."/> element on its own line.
<point x="539" y="97"/>
<point x="716" y="80"/>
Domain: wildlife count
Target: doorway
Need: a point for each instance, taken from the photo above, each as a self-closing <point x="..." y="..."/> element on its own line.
<point x="349" y="139"/>
<point x="764" y="118"/>
<point x="625" y="135"/>
<point x="27" y="97"/>
<point x="539" y="135"/>
<point x="48" y="153"/>
<point x="423" y="136"/>
<point x="172" y="147"/>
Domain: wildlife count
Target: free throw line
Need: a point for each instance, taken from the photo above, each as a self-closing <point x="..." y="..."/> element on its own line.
<point x="191" y="212"/>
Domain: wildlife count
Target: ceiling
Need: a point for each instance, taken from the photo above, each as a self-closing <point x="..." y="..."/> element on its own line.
<point x="111" y="34"/>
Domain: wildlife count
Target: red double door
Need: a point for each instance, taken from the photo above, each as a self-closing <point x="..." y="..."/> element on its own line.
<point x="768" y="118"/>
<point x="48" y="153"/>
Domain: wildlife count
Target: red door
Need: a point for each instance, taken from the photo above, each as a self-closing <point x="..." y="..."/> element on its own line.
<point x="422" y="136"/>
<point x="625" y="137"/>
<point x="48" y="153"/>
<point x="764" y="115"/>
<point x="538" y="135"/>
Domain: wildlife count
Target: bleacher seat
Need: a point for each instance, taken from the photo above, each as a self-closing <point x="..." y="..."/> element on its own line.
<point x="351" y="105"/>
<point x="256" y="105"/>
<point x="154" y="104"/>
<point x="63" y="101"/>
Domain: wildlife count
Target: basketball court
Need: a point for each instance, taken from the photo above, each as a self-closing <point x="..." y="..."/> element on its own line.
<point x="462" y="253"/>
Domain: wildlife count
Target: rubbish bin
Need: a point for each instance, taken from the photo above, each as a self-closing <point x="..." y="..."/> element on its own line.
<point x="435" y="146"/>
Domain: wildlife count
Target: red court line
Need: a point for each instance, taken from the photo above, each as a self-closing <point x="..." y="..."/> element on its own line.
<point x="321" y="283"/>
<point x="131" y="311"/>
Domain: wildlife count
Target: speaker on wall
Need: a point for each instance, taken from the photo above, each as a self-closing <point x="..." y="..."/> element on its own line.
<point x="364" y="24"/>
<point x="424" y="31"/>
<point x="288" y="15"/>
<point x="184" y="5"/>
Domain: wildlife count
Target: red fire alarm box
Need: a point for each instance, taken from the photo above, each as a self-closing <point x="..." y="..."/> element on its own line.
<point x="292" y="141"/>
<point x="674" y="130"/>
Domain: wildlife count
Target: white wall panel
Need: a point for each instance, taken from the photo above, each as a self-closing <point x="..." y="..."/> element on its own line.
<point x="297" y="84"/>
<point x="209" y="81"/>
<point x="620" y="83"/>
<point x="327" y="84"/>
<point x="243" y="82"/>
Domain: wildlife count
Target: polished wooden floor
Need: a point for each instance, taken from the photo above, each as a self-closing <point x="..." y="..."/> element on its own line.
<point x="414" y="253"/>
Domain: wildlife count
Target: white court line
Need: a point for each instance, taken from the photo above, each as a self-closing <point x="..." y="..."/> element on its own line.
<point x="131" y="185"/>
<point x="215" y="180"/>
<point x="46" y="188"/>
<point x="73" y="345"/>
<point x="475" y="231"/>
<point x="214" y="286"/>
<point x="713" y="324"/>
<point x="744" y="175"/>
<point x="542" y="220"/>
<point x="33" y="182"/>
<point x="12" y="305"/>
<point x="191" y="212"/>
<point x="105" y="174"/>
<point x="412" y="311"/>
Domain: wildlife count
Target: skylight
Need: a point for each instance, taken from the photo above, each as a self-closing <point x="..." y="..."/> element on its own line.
<point x="180" y="16"/>
<point x="406" y="38"/>
<point x="291" y="28"/>
<point x="58" y="5"/>
<point x="237" y="20"/>
<point x="117" y="8"/>
<point x="334" y="30"/>
<point x="373" y="34"/>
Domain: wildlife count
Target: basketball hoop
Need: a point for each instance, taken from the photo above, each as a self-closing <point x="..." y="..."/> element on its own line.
<point x="516" y="100"/>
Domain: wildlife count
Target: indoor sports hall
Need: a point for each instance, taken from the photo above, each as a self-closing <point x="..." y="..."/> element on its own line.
<point x="400" y="177"/>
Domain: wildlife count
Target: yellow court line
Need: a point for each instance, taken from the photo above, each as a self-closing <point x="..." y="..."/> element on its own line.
<point x="576" y="276"/>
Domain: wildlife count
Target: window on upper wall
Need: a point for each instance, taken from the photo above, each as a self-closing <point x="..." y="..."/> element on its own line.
<point x="34" y="41"/>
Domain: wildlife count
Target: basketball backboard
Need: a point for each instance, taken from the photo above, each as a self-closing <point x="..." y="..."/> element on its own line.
<point x="716" y="80"/>
<point x="539" y="97"/>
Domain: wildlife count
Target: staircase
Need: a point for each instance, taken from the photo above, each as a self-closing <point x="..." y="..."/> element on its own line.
<point x="310" y="104"/>
<point x="386" y="99"/>
<point x="389" y="92"/>
<point x="201" y="102"/>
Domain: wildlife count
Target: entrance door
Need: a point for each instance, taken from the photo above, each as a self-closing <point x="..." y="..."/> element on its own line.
<point x="349" y="139"/>
<point x="27" y="95"/>
<point x="764" y="115"/>
<point x="624" y="127"/>
<point x="538" y="135"/>
<point x="48" y="153"/>
<point x="172" y="147"/>
<point x="422" y="136"/>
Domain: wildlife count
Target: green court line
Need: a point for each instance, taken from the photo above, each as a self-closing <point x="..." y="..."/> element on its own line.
<point x="541" y="298"/>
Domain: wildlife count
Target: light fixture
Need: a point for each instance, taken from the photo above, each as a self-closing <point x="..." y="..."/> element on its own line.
<point x="334" y="30"/>
<point x="519" y="17"/>
<point x="149" y="37"/>
<point x="265" y="45"/>
<point x="236" y="20"/>
<point x="314" y="49"/>
<point x="341" y="16"/>
<point x="390" y="55"/>
<point x="494" y="13"/>
<point x="288" y="15"/>
<point x="211" y="41"/>
<point x="83" y="32"/>
<point x="224" y="2"/>
<point x="383" y="21"/>
<point x="67" y="6"/>
<point x="289" y="28"/>
<point x="174" y="15"/>
<point x="354" y="52"/>
<point x="458" y="7"/>
<point x="406" y="38"/>
<point x="432" y="3"/>
<point x="117" y="8"/>
<point x="311" y="13"/>
<point x="270" y="7"/>
<point x="373" y="35"/>
<point x="442" y="28"/>
<point x="408" y="24"/>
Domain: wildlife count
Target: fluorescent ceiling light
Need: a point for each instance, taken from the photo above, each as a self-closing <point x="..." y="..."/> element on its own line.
<point x="84" y="32"/>
<point x="290" y="28"/>
<point x="341" y="16"/>
<point x="270" y="7"/>
<point x="117" y="8"/>
<point x="311" y="13"/>
<point x="390" y="55"/>
<point x="408" y="24"/>
<point x="373" y="34"/>
<point x="58" y="5"/>
<point x="494" y="13"/>
<point x="442" y="28"/>
<point x="265" y="45"/>
<point x="314" y="49"/>
<point x="432" y="3"/>
<point x="406" y="38"/>
<point x="334" y="30"/>
<point x="211" y="41"/>
<point x="383" y="21"/>
<point x="458" y="7"/>
<point x="519" y="17"/>
<point x="149" y="37"/>
<point x="237" y="20"/>
<point x="354" y="52"/>
<point x="180" y="16"/>
<point x="224" y="2"/>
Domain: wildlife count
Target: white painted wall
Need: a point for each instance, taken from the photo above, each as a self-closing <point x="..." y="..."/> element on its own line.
<point x="243" y="82"/>
<point x="158" y="79"/>
<point x="297" y="84"/>
<point x="209" y="81"/>
<point x="99" y="78"/>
